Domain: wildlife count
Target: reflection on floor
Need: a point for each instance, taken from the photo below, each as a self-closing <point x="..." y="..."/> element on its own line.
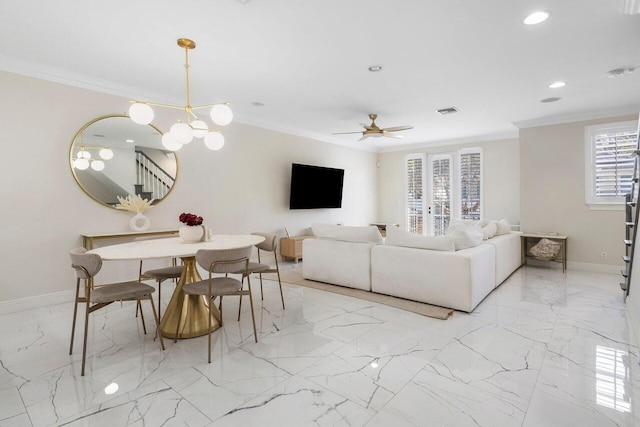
<point x="544" y="349"/>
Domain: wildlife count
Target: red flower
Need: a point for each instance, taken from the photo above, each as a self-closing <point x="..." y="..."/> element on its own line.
<point x="190" y="219"/>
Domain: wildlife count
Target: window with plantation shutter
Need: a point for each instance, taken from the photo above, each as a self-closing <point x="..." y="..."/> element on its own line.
<point x="414" y="194"/>
<point x="610" y="156"/>
<point x="471" y="185"/>
<point x="440" y="176"/>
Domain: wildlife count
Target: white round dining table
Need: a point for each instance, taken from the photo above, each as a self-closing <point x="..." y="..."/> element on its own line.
<point x="186" y="314"/>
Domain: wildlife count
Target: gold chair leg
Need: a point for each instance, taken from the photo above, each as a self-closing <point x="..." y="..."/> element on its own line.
<point x="86" y="332"/>
<point x="261" y="291"/>
<point x="279" y="281"/>
<point x="281" y="294"/>
<point x="137" y="308"/>
<point x="159" y="297"/>
<point x="240" y="304"/>
<point x="157" y="319"/>
<point x="144" y="327"/>
<point x="253" y="316"/>
<point x="75" y="313"/>
<point x="210" y="326"/>
<point x="219" y="308"/>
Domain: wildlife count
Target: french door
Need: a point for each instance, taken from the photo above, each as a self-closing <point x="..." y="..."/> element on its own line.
<point x="439" y="189"/>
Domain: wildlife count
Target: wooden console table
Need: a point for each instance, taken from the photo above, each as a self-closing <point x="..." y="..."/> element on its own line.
<point x="291" y="247"/>
<point x="530" y="239"/>
<point x="88" y="239"/>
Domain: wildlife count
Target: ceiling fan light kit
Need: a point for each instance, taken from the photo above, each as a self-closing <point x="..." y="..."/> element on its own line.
<point x="373" y="130"/>
<point x="182" y="133"/>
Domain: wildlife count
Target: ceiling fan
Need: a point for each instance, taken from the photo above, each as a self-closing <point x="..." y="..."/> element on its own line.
<point x="373" y="130"/>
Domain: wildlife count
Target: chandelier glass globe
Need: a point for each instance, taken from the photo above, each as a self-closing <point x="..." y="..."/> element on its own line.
<point x="82" y="154"/>
<point x="200" y="128"/>
<point x="221" y="114"/>
<point x="106" y="153"/>
<point x="141" y="113"/>
<point x="169" y="143"/>
<point x="182" y="133"/>
<point x="214" y="141"/>
<point x="81" y="163"/>
<point x="97" y="165"/>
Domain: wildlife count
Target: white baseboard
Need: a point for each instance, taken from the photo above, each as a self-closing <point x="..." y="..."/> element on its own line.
<point x="597" y="268"/>
<point x="580" y="266"/>
<point x="38" y="301"/>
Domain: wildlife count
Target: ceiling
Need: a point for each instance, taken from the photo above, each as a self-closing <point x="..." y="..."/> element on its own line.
<point x="307" y="61"/>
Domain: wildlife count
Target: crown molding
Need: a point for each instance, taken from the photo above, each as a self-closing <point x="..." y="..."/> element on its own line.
<point x="309" y="135"/>
<point x="57" y="75"/>
<point x="577" y="117"/>
<point x="458" y="141"/>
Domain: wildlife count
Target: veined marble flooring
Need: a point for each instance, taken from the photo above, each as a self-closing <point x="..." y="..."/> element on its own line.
<point x="544" y="349"/>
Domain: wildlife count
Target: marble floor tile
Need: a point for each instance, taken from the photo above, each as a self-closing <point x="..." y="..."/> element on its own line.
<point x="297" y="402"/>
<point x="546" y="348"/>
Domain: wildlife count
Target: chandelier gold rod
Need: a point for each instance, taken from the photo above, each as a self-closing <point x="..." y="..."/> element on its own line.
<point x="186" y="68"/>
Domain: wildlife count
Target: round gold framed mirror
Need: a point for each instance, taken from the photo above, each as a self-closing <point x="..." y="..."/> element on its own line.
<point x="112" y="156"/>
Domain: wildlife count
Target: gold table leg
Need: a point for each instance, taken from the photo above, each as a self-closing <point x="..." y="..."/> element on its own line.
<point x="194" y="321"/>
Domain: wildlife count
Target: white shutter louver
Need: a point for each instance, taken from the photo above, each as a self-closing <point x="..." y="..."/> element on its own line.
<point x="613" y="162"/>
<point x="415" y="205"/>
<point x="441" y="209"/>
<point x="470" y="186"/>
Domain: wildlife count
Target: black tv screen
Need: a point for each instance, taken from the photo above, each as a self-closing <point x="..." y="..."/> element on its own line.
<point x="315" y="187"/>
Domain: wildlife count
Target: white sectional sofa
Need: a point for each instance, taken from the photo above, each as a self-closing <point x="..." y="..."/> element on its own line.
<point x="341" y="255"/>
<point x="357" y="257"/>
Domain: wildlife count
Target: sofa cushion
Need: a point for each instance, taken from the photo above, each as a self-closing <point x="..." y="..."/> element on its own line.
<point x="458" y="280"/>
<point x="508" y="255"/>
<point x="465" y="234"/>
<point x="398" y="237"/>
<point x="368" y="234"/>
<point x="489" y="230"/>
<point x="503" y="227"/>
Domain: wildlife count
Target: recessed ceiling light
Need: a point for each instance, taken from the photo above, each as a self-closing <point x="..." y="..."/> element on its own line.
<point x="536" y="18"/>
<point x="556" y="85"/>
<point x="375" y="68"/>
<point x="98" y="135"/>
<point x="554" y="99"/>
<point x="129" y="140"/>
<point x="257" y="104"/>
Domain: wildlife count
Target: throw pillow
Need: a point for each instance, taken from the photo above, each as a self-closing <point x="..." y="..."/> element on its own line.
<point x="368" y="234"/>
<point x="465" y="234"/>
<point x="489" y="230"/>
<point x="503" y="227"/>
<point x="484" y="222"/>
<point x="398" y="237"/>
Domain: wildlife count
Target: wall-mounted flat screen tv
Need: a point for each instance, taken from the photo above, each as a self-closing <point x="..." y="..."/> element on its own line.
<point x="314" y="187"/>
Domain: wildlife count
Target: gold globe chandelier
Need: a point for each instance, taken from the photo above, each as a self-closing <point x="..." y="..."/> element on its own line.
<point x="183" y="132"/>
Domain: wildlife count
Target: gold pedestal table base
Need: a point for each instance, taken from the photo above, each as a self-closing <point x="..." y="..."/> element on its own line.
<point x="193" y="318"/>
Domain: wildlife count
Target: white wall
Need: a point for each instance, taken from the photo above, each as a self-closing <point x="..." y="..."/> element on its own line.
<point x="240" y="189"/>
<point x="552" y="195"/>
<point x="501" y="177"/>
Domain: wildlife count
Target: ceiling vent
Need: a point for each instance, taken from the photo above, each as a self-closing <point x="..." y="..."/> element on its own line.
<point x="445" y="111"/>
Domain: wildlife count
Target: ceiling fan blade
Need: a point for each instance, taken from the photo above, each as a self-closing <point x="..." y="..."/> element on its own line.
<point x="363" y="138"/>
<point x="366" y="126"/>
<point x="397" y="128"/>
<point x="345" y="133"/>
<point x="390" y="135"/>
